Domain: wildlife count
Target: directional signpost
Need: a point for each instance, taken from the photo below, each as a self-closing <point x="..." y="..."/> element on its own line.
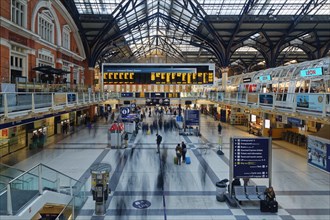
<point x="191" y="117"/>
<point x="250" y="158"/>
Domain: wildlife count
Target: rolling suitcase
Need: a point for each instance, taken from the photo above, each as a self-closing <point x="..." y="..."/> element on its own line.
<point x="273" y="206"/>
<point x="176" y="160"/>
<point x="264" y="206"/>
<point x="188" y="161"/>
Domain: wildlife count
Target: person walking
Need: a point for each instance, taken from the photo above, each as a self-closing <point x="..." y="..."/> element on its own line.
<point x="219" y="128"/>
<point x="178" y="151"/>
<point x="184" y="151"/>
<point x="126" y="140"/>
<point x="159" y="141"/>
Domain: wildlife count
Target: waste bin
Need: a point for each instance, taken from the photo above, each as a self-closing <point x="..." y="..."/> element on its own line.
<point x="221" y="188"/>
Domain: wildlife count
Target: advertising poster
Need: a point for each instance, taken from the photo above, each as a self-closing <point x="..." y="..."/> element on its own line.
<point x="311" y="102"/>
<point x="59" y="99"/>
<point x="318" y="153"/>
<point x="265" y="99"/>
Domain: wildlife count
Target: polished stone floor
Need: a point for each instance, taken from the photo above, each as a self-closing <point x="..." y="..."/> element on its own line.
<point x="188" y="191"/>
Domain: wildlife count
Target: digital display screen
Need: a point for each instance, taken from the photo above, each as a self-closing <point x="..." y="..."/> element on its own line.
<point x="158" y="75"/>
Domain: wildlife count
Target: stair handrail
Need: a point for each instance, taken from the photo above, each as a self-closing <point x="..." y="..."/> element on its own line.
<point x="38" y="166"/>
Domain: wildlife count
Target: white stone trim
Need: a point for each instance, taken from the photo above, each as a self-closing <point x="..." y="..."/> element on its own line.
<point x="18" y="29"/>
<point x="5" y="42"/>
<point x="66" y="15"/>
<point x="46" y="4"/>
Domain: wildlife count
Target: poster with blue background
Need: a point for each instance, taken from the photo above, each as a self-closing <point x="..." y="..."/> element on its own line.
<point x="311" y="102"/>
<point x="318" y="153"/>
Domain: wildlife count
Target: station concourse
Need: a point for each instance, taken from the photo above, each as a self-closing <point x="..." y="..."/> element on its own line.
<point x="186" y="191"/>
<point x="81" y="80"/>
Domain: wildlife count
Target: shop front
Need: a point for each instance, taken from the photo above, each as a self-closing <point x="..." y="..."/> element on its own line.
<point x="12" y="139"/>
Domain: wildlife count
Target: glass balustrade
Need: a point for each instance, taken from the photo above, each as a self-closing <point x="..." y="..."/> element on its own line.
<point x="26" y="186"/>
<point x="24" y="102"/>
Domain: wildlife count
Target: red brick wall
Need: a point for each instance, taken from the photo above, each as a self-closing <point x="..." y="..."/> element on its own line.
<point x="4" y="64"/>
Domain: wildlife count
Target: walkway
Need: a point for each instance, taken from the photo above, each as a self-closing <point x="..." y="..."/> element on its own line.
<point x="186" y="191"/>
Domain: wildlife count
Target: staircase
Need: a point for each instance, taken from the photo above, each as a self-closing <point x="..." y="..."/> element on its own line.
<point x="19" y="190"/>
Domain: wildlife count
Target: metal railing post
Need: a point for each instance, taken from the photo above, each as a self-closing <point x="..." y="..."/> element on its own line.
<point x="5" y="104"/>
<point x="66" y="99"/>
<point x="324" y="108"/>
<point x="9" y="202"/>
<point x="294" y="106"/>
<point x="53" y="102"/>
<point x="33" y="103"/>
<point x="57" y="182"/>
<point x="71" y="190"/>
<point x="40" y="179"/>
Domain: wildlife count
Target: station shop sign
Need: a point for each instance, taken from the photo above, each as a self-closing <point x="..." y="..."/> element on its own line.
<point x="294" y="122"/>
<point x="311" y="72"/>
<point x="246" y="80"/>
<point x="265" y="78"/>
<point x="127" y="94"/>
<point x="158" y="101"/>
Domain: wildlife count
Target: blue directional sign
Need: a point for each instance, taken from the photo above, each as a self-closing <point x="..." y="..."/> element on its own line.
<point x="251" y="157"/>
<point x="133" y="105"/>
<point x="127" y="94"/>
<point x="191" y="117"/>
<point x="124" y="111"/>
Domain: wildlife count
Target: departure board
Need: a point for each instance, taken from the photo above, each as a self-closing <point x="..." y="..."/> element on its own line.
<point x="158" y="74"/>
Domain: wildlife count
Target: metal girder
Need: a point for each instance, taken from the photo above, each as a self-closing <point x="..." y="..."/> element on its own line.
<point x="246" y="10"/>
<point x="220" y="56"/>
<point x="298" y="18"/>
<point x="112" y="22"/>
<point x="72" y="9"/>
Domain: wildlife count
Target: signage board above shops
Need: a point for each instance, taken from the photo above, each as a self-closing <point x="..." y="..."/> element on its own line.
<point x="251" y="157"/>
<point x="246" y="80"/>
<point x="265" y="78"/>
<point x="311" y="72"/>
<point x="158" y="101"/>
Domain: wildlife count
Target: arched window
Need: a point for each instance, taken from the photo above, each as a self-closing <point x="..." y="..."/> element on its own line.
<point x="66" y="37"/>
<point x="46" y="26"/>
<point x="18" y="12"/>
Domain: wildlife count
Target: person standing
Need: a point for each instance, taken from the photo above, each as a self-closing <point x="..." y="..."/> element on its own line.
<point x="126" y="139"/>
<point x="184" y="151"/>
<point x="178" y="151"/>
<point x="219" y="128"/>
<point x="159" y="141"/>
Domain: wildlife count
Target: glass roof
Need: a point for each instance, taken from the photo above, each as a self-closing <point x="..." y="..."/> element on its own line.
<point x="155" y="26"/>
<point x="264" y="7"/>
